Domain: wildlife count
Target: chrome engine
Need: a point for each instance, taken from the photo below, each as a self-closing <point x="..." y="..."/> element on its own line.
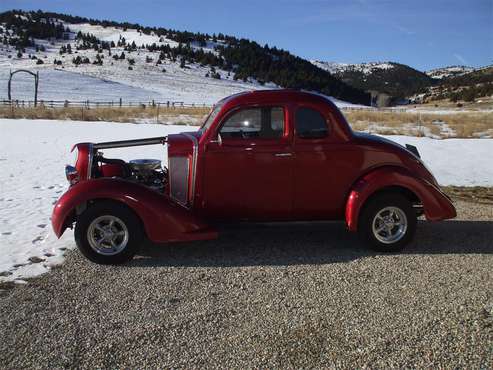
<point x="149" y="172"/>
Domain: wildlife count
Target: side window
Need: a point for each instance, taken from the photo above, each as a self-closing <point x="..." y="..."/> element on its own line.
<point x="310" y="124"/>
<point x="262" y="123"/>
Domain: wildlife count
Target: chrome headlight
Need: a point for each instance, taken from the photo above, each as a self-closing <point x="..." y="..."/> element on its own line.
<point x="71" y="174"/>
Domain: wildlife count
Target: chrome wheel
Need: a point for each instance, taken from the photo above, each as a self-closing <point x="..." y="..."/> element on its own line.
<point x="389" y="225"/>
<point x="107" y="235"/>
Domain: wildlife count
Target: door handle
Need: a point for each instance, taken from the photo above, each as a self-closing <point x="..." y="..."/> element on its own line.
<point x="283" y="154"/>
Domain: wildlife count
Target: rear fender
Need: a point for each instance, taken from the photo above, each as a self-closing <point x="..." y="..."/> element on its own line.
<point x="436" y="205"/>
<point x="162" y="218"/>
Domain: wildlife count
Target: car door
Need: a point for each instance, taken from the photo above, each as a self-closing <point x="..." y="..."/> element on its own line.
<point x="319" y="166"/>
<point x="248" y="166"/>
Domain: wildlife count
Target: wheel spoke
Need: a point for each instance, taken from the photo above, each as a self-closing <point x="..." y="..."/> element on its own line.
<point x="389" y="225"/>
<point x="107" y="235"/>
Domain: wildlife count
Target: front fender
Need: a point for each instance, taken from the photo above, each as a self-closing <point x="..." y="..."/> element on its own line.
<point x="163" y="219"/>
<point x="436" y="205"/>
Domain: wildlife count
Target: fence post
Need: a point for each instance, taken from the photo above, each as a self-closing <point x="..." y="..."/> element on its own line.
<point x="120" y="102"/>
<point x="157" y="113"/>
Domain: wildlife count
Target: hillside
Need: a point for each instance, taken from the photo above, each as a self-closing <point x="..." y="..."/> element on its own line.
<point x="157" y="62"/>
<point x="398" y="80"/>
<point x="444" y="72"/>
<point x="469" y="85"/>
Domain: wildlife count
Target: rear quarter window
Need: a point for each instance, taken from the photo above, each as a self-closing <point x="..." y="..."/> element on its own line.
<point x="310" y="124"/>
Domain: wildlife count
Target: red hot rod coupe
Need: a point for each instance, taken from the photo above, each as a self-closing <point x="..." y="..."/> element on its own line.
<point x="278" y="155"/>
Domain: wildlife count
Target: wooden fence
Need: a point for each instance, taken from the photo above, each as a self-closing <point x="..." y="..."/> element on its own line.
<point x="99" y="104"/>
<point x="88" y="104"/>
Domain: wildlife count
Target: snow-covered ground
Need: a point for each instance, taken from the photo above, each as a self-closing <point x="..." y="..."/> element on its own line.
<point x="65" y="85"/>
<point x="33" y="154"/>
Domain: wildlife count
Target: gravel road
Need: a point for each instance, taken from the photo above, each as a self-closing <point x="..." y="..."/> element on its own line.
<point x="263" y="296"/>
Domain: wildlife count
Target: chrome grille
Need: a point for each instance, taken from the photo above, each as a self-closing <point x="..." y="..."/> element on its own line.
<point x="178" y="173"/>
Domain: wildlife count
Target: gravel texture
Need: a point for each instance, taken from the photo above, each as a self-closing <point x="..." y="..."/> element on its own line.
<point x="266" y="296"/>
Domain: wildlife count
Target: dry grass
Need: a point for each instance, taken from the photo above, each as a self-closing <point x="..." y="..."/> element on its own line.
<point x="464" y="125"/>
<point x="474" y="193"/>
<point x="177" y="115"/>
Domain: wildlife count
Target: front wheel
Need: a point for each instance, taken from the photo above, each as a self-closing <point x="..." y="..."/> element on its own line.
<point x="387" y="223"/>
<point x="108" y="233"/>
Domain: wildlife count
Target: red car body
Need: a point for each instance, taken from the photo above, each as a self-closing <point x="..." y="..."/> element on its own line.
<point x="286" y="178"/>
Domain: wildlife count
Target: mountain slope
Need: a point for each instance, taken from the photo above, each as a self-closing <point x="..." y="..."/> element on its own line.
<point x="466" y="86"/>
<point x="397" y="80"/>
<point x="450" y="71"/>
<point x="95" y="47"/>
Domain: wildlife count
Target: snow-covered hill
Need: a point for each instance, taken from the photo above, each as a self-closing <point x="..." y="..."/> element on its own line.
<point x="393" y="79"/>
<point x="365" y="68"/>
<point x="113" y="80"/>
<point x="101" y="62"/>
<point x="440" y="73"/>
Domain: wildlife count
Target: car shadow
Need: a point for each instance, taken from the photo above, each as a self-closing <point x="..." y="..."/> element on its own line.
<point x="309" y="243"/>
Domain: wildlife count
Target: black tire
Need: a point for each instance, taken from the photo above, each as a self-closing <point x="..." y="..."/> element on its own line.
<point x="373" y="207"/>
<point x="100" y="210"/>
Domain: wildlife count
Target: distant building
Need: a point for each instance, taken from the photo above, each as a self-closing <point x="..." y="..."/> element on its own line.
<point x="379" y="99"/>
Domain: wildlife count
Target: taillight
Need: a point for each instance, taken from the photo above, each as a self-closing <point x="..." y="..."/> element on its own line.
<point x="71" y="174"/>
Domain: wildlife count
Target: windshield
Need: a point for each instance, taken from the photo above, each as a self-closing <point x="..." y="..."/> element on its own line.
<point x="212" y="116"/>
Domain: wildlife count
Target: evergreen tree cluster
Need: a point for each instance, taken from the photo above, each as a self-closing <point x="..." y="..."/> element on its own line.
<point x="471" y="93"/>
<point x="466" y="87"/>
<point x="248" y="59"/>
<point x="400" y="81"/>
<point x="27" y="26"/>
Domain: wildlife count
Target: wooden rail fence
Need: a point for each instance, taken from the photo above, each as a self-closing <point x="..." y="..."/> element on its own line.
<point x="98" y="104"/>
<point x="142" y="104"/>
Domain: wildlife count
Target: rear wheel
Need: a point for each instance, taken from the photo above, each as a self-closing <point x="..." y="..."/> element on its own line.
<point x="108" y="233"/>
<point x="387" y="222"/>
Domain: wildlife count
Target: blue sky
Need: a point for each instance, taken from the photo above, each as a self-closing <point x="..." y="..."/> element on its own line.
<point x="423" y="34"/>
